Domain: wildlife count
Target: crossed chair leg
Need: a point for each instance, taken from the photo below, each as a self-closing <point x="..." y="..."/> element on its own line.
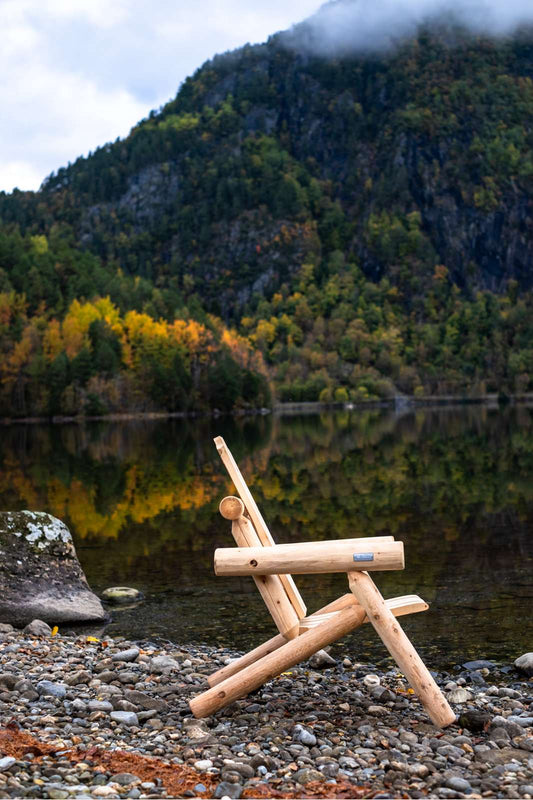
<point x="365" y="604"/>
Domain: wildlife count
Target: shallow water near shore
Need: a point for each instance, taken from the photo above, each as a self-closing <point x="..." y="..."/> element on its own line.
<point x="141" y="499"/>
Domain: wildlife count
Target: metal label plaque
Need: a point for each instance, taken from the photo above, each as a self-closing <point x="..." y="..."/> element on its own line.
<point x="363" y="556"/>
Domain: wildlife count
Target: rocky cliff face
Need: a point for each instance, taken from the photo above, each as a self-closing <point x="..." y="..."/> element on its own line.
<point x="268" y="158"/>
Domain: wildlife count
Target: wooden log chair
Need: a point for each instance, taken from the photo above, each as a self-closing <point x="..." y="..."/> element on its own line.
<point x="300" y="635"/>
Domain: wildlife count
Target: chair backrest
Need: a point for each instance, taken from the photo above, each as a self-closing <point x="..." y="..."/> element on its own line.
<point x="280" y="594"/>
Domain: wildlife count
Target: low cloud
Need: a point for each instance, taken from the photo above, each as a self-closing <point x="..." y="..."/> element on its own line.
<point x="79" y="73"/>
<point x="343" y="27"/>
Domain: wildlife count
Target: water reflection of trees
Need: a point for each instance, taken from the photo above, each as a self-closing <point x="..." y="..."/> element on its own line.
<point x="433" y="478"/>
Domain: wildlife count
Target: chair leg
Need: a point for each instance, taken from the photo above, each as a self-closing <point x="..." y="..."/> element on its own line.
<point x="249" y="658"/>
<point x="401" y="648"/>
<point x="273" y="644"/>
<point x="408" y="604"/>
<point x="280" y="660"/>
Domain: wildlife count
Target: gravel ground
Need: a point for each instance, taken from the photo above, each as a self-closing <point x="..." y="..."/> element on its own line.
<point x="83" y="718"/>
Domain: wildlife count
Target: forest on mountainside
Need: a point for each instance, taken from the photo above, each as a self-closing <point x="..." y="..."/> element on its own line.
<point x="329" y="229"/>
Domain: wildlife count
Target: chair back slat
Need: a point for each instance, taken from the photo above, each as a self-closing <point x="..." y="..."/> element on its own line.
<point x="258" y="522"/>
<point x="270" y="586"/>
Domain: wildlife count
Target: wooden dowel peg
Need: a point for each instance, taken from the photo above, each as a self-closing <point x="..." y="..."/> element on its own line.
<point x="231" y="508"/>
<point x="401" y="649"/>
<point x="343" y="555"/>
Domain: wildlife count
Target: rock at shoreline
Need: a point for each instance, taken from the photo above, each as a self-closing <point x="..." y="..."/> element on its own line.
<point x="38" y="628"/>
<point x="117" y="595"/>
<point x="40" y="575"/>
<point x="458" y="695"/>
<point x="321" y="660"/>
<point x="475" y="721"/>
<point x="525" y="664"/>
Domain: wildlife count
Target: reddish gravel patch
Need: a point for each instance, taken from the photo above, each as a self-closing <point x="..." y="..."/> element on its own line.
<point x="176" y="778"/>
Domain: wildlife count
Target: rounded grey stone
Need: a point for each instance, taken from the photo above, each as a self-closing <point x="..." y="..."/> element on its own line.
<point x="127" y="718"/>
<point x="459" y="785"/>
<point x="37" y="628"/>
<point x="524" y="722"/>
<point x="459" y="695"/>
<point x="307" y="774"/>
<point x="203" y="764"/>
<point x="145" y="701"/>
<point x="480" y="664"/>
<point x="51" y="688"/>
<point x="244" y="770"/>
<point x="321" y="660"/>
<point x="121" y="594"/>
<point x="100" y="705"/>
<point x="304" y="736"/>
<point x="127" y="676"/>
<point x="161" y="664"/>
<point x="225" y="789"/>
<point x="126" y="655"/>
<point x="124" y="778"/>
<point x="525" y="664"/>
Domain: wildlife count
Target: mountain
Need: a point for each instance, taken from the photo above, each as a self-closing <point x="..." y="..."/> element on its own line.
<point x="364" y="221"/>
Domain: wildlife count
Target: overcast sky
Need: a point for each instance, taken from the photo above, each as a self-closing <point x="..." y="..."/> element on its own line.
<point x="76" y="74"/>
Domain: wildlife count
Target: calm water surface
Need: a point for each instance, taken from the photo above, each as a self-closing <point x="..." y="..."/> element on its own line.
<point x="141" y="499"/>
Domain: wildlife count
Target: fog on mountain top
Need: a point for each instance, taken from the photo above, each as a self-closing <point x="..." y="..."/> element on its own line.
<point x="358" y="26"/>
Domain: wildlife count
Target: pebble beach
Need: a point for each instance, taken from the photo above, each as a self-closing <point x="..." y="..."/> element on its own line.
<point x="84" y="718"/>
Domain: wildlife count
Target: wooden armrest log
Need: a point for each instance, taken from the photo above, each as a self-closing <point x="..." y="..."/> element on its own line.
<point x="258" y="522"/>
<point x="344" y="555"/>
<point x="401" y="649"/>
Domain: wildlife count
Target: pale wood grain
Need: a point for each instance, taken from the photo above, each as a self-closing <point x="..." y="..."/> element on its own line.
<point x="257" y="520"/>
<point x="276" y="662"/>
<point x="306" y="558"/>
<point x="270" y="586"/>
<point x="401" y="649"/>
<point x="408" y="604"/>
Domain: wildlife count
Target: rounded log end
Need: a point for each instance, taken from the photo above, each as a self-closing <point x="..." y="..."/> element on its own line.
<point x="442" y="717"/>
<point x="196" y="708"/>
<point x="231" y="508"/>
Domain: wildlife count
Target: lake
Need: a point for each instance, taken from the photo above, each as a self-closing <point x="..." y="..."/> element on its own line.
<point x="141" y="500"/>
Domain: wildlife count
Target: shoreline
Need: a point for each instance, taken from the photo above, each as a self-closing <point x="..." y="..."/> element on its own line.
<point x="82" y="717"/>
<point x="399" y="403"/>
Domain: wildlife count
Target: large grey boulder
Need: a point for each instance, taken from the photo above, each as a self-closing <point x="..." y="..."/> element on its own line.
<point x="40" y="575"/>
